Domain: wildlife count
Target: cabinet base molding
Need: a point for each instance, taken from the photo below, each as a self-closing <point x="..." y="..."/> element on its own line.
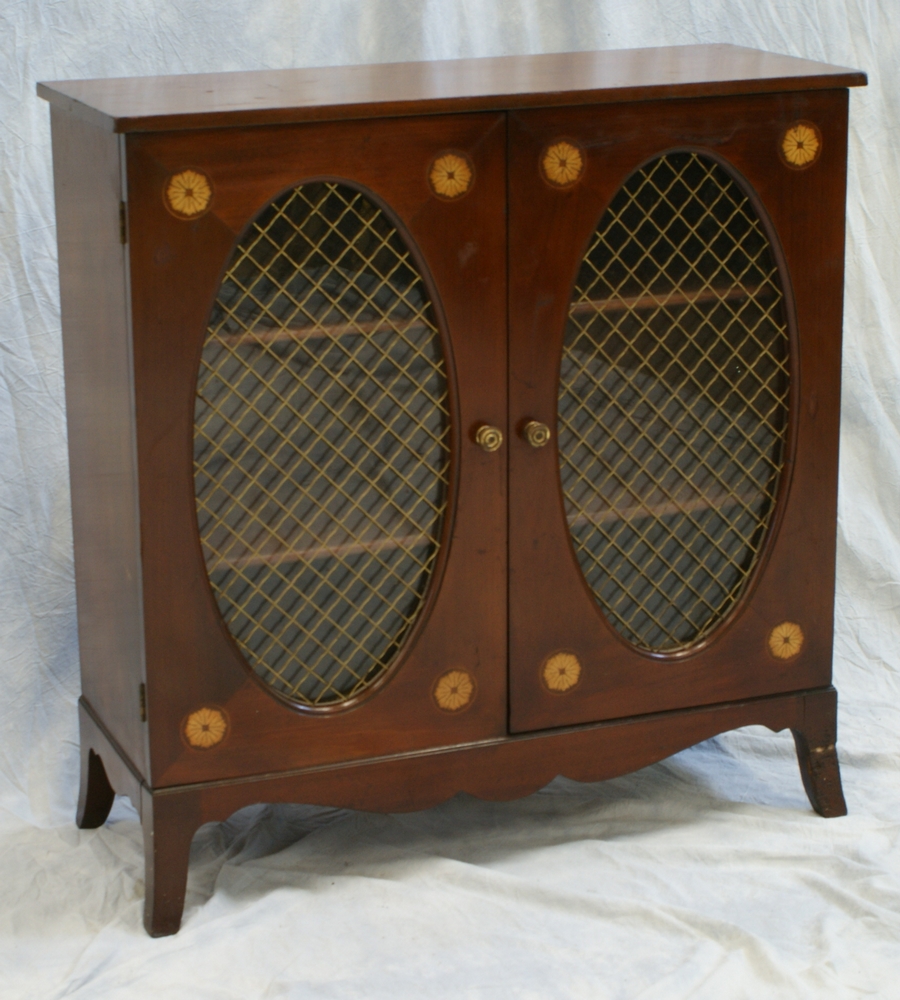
<point x="498" y="769"/>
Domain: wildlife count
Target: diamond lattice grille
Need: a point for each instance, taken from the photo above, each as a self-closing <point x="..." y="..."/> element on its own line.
<point x="321" y="451"/>
<point x="673" y="401"/>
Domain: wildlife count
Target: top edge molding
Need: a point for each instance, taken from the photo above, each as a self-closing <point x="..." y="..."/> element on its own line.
<point x="270" y="97"/>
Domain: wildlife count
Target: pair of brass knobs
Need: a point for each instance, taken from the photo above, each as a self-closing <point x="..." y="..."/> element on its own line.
<point x="490" y="438"/>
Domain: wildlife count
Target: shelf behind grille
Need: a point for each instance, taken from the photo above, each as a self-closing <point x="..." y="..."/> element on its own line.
<point x="673" y="401"/>
<point x="321" y="450"/>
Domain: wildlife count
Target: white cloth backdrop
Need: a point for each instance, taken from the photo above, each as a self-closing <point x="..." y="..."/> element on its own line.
<point x="704" y="876"/>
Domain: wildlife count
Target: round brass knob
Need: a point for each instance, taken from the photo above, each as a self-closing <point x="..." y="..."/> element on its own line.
<point x="490" y="438"/>
<point x="536" y="433"/>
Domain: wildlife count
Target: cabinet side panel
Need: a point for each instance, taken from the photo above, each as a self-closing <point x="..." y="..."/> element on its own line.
<point x="100" y="408"/>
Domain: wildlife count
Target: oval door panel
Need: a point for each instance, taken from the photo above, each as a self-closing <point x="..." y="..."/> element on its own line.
<point x="321" y="444"/>
<point x="673" y="401"/>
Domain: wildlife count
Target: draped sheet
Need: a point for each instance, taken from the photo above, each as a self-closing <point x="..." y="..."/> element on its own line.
<point x="706" y="875"/>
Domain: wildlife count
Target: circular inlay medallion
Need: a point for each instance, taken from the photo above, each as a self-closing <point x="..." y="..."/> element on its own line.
<point x="188" y="194"/>
<point x="561" y="672"/>
<point x="786" y="640"/>
<point x="454" y="690"/>
<point x="205" y="728"/>
<point x="801" y="145"/>
<point x="451" y="175"/>
<point x="562" y="163"/>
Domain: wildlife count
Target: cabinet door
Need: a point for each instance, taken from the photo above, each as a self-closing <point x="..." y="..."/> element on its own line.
<point x="675" y="321"/>
<point x="319" y="324"/>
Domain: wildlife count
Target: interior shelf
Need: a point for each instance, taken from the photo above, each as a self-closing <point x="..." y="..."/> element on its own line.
<point x="602" y="514"/>
<point x="333" y="331"/>
<point x="320" y="331"/>
<point x="668" y="300"/>
<point x="629" y="509"/>
<point x="313" y="553"/>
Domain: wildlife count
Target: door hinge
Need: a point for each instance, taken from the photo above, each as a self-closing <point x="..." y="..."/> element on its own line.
<point x="142" y="698"/>
<point x="123" y="223"/>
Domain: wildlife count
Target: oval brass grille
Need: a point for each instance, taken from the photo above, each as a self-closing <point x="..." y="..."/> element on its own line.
<point x="321" y="443"/>
<point x="673" y="401"/>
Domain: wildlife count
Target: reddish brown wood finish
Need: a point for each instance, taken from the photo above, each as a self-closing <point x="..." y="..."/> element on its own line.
<point x="134" y="323"/>
<point x="176" y="268"/>
<point x="115" y="770"/>
<point x="95" y="794"/>
<point x="551" y="607"/>
<point x="169" y="824"/>
<point x="155" y="104"/>
<point x="498" y="769"/>
<point x="817" y="755"/>
<point x="100" y="413"/>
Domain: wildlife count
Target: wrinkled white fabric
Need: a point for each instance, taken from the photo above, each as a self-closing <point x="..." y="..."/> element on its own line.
<point x="704" y="876"/>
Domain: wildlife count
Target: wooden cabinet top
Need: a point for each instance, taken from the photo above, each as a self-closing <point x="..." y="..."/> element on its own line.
<point x="265" y="97"/>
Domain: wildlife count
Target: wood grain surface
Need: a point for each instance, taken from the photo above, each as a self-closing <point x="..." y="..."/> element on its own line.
<point x="551" y="607"/>
<point x="498" y="769"/>
<point x="499" y="263"/>
<point x="210" y="100"/>
<point x="176" y="267"/>
<point x="100" y="414"/>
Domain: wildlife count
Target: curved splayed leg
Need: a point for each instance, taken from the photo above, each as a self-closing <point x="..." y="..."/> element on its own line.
<point x="817" y="754"/>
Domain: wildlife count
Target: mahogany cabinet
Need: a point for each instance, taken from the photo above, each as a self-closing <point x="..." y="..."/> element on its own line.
<point x="447" y="427"/>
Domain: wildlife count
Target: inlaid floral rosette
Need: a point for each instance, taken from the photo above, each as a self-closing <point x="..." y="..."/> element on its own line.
<point x="561" y="672"/>
<point x="205" y="728"/>
<point x="451" y="175"/>
<point x="454" y="691"/>
<point x="188" y="194"/>
<point x="786" y="640"/>
<point x="562" y="163"/>
<point x="801" y="145"/>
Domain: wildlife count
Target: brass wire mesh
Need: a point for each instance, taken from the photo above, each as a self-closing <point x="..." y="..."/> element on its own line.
<point x="673" y="401"/>
<point x="321" y="453"/>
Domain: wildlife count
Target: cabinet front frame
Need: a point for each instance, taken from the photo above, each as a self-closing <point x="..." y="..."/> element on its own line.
<point x="551" y="606"/>
<point x="192" y="660"/>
